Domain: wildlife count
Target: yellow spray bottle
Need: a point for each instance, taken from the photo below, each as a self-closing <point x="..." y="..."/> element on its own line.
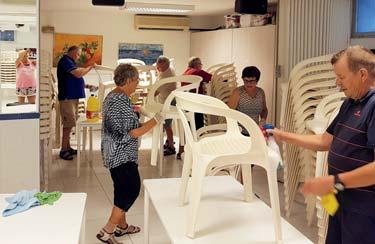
<point x="92" y="109"/>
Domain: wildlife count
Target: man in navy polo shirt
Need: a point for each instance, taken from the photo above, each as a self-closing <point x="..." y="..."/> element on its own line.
<point x="350" y="140"/>
<point x="71" y="87"/>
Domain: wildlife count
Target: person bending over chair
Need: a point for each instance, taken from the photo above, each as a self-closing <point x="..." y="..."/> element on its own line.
<point x="71" y="86"/>
<point x="165" y="71"/>
<point x="119" y="147"/>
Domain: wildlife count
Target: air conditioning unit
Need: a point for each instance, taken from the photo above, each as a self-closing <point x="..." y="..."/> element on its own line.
<point x="161" y="22"/>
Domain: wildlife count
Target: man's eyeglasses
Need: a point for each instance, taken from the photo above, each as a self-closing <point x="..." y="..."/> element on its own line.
<point x="249" y="81"/>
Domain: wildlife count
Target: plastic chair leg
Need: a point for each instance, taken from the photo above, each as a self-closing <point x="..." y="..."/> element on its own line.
<point x="161" y="149"/>
<point x="181" y="133"/>
<point x="154" y="148"/>
<point x="185" y="176"/>
<point x="195" y="197"/>
<point x="78" y="148"/>
<point x="91" y="142"/>
<point x="247" y="182"/>
<point x="84" y="137"/>
<point x="275" y="203"/>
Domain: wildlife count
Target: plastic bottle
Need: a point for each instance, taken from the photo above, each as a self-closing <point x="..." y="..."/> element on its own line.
<point x="272" y="143"/>
<point x="330" y="203"/>
<point x="92" y="109"/>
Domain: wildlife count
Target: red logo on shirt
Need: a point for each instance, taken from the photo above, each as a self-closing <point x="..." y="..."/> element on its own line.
<point x="358" y="113"/>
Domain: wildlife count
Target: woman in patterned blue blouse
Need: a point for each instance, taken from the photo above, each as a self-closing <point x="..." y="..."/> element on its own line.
<point x="120" y="132"/>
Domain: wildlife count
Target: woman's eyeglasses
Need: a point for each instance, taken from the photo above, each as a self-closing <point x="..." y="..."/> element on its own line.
<point x="249" y="81"/>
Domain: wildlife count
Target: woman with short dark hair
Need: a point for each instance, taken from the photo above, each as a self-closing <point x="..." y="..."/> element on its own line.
<point x="120" y="132"/>
<point x="249" y="98"/>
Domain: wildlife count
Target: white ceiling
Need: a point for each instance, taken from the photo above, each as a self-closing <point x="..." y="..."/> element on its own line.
<point x="202" y="7"/>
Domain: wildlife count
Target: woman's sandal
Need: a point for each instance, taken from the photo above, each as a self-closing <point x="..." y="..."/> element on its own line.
<point x="106" y="237"/>
<point x="130" y="229"/>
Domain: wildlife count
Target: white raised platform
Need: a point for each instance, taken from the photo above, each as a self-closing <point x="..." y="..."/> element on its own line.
<point x="61" y="223"/>
<point x="223" y="215"/>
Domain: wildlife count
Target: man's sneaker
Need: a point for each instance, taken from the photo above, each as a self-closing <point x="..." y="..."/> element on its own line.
<point x="66" y="155"/>
<point x="72" y="151"/>
<point x="108" y="238"/>
<point x="169" y="151"/>
<point x="166" y="144"/>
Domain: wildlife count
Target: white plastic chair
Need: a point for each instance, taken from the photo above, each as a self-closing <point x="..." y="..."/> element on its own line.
<point x="82" y="125"/>
<point x="152" y="107"/>
<point x="147" y="75"/>
<point x="322" y="170"/>
<point x="131" y="61"/>
<point x="231" y="148"/>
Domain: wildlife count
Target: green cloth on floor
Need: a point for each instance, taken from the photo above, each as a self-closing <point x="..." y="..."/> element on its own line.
<point x="48" y="197"/>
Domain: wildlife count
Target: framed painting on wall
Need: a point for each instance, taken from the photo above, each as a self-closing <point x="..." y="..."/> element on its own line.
<point x="148" y="53"/>
<point x="7" y="35"/>
<point x="91" y="46"/>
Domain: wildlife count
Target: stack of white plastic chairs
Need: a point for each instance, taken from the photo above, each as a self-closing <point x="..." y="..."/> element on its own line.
<point x="7" y="70"/>
<point x="310" y="81"/>
<point x="8" y="66"/>
<point x="46" y="102"/>
<point x="221" y="86"/>
<point x="324" y="115"/>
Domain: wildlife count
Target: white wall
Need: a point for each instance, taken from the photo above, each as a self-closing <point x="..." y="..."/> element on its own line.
<point x="206" y="22"/>
<point x="116" y="27"/>
<point x="365" y="42"/>
<point x="327" y="39"/>
<point x="19" y="155"/>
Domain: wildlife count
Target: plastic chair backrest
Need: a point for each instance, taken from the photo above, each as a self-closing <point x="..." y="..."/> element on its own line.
<point x="213" y="68"/>
<point x="186" y="88"/>
<point x="147" y="74"/>
<point x="131" y="61"/>
<point x="309" y="62"/>
<point x="197" y="103"/>
<point x="321" y="109"/>
<point x="103" y="86"/>
<point x="174" y="79"/>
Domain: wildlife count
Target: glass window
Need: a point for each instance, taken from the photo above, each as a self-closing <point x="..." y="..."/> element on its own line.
<point x="19" y="82"/>
<point x="363" y="18"/>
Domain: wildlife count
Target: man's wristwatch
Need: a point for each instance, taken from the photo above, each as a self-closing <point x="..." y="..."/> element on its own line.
<point x="338" y="185"/>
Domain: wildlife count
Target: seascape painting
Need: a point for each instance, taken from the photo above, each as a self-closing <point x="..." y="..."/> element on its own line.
<point x="148" y="53"/>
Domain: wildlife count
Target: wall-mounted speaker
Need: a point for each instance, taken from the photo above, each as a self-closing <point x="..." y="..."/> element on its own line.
<point x="251" y="6"/>
<point x="108" y="2"/>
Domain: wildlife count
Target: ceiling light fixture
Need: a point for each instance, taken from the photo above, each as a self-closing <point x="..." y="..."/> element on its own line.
<point x="149" y="8"/>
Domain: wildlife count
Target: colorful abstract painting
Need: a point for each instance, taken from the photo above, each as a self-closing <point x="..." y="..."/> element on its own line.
<point x="148" y="53"/>
<point x="91" y="46"/>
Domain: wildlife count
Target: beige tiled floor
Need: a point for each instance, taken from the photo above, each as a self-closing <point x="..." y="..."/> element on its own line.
<point x="97" y="183"/>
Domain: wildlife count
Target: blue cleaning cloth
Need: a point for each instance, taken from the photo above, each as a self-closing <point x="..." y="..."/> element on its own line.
<point x="21" y="201"/>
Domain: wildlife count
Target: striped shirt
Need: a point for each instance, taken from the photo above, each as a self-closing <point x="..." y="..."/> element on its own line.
<point x="353" y="145"/>
<point x="117" y="146"/>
